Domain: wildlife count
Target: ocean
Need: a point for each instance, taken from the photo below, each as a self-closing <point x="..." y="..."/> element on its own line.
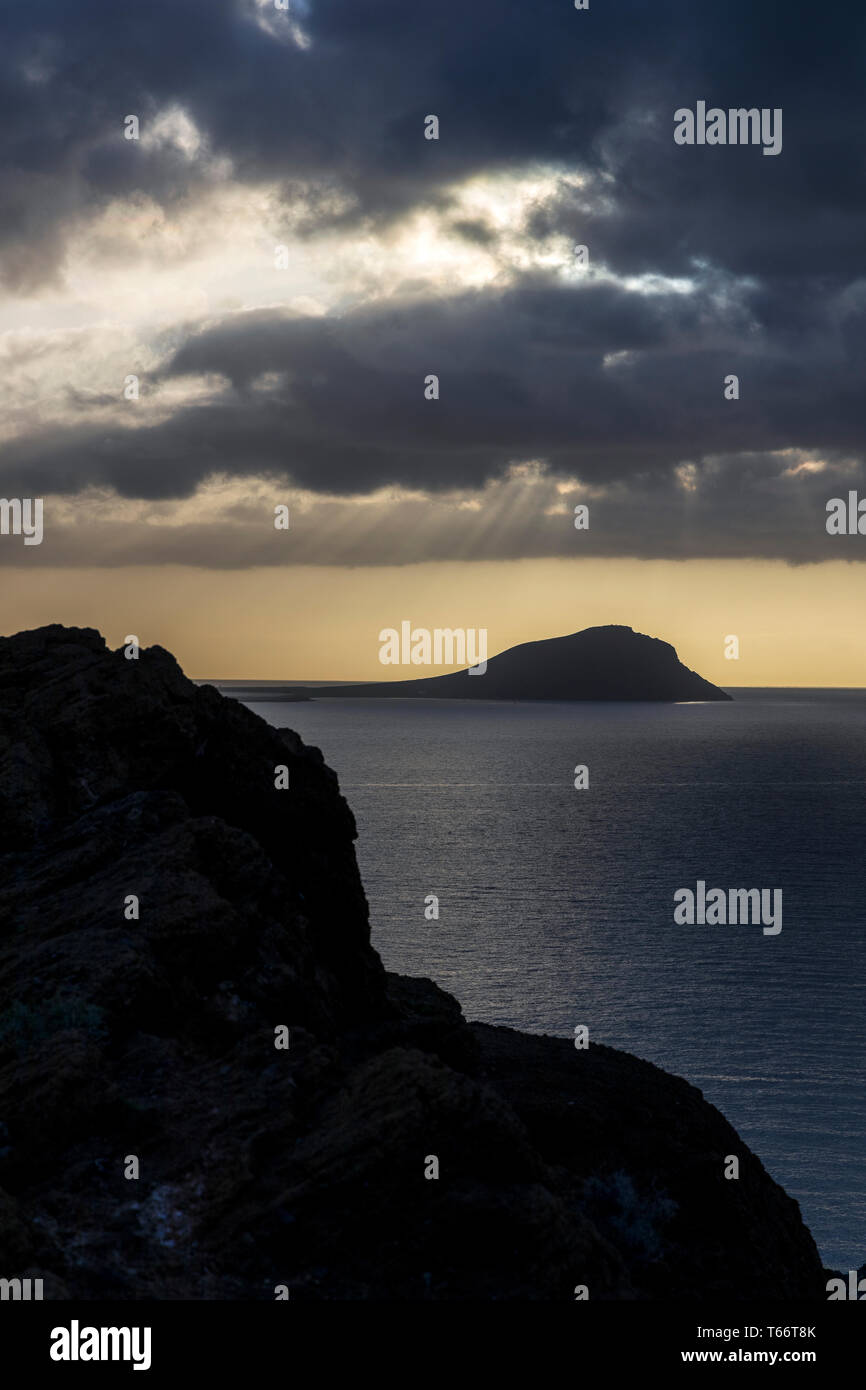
<point x="556" y="905"/>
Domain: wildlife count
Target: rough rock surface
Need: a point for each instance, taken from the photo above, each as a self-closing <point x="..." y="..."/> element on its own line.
<point x="302" y="1167"/>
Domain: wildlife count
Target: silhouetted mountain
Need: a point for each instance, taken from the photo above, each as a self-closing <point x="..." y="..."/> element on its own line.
<point x="600" y="663"/>
<point x="152" y="1033"/>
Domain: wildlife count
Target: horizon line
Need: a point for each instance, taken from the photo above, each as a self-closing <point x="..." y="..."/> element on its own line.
<point x="252" y="680"/>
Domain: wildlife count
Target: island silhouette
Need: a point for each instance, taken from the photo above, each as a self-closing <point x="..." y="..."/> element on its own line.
<point x="600" y="663"/>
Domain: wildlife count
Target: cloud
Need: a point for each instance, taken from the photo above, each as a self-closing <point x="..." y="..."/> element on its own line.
<point x="413" y="257"/>
<point x="770" y="506"/>
<point x="329" y="100"/>
<point x="594" y="379"/>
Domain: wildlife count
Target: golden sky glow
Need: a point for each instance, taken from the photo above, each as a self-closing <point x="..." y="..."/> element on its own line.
<point x="796" y="626"/>
<point x="135" y="269"/>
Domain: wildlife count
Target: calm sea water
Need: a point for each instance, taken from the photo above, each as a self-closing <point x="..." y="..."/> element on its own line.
<point x="556" y="905"/>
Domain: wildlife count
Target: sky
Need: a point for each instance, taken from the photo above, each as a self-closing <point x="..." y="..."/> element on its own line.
<point x="241" y="310"/>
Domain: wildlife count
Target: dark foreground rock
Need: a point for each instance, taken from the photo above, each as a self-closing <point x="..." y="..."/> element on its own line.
<point x="259" y="1167"/>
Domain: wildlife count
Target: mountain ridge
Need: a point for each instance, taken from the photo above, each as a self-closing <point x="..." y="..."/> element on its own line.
<point x="609" y="662"/>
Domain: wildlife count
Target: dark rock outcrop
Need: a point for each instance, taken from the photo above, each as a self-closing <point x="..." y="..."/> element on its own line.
<point x="305" y="1167"/>
<point x="600" y="663"/>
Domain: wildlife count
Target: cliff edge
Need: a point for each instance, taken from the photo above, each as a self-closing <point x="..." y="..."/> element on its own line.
<point x="163" y="910"/>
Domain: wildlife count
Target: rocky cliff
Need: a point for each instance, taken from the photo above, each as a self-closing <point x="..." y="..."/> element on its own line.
<point x="154" y="1036"/>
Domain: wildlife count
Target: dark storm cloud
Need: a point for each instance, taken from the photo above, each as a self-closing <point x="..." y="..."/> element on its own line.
<point x="733" y="508"/>
<point x="511" y="84"/>
<point x="772" y="245"/>
<point x="616" y="388"/>
<point x="522" y="375"/>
